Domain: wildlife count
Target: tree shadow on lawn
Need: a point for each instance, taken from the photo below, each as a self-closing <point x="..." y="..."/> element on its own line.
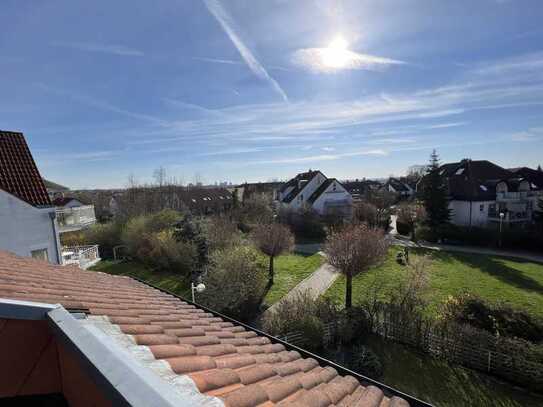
<point x="495" y="267"/>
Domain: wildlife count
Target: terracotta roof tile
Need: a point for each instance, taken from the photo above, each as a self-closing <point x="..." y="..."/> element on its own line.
<point x="223" y="360"/>
<point x="19" y="175"/>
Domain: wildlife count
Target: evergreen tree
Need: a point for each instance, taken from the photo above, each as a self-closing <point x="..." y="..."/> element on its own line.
<point x="435" y="195"/>
<point x="538" y="214"/>
<point x="190" y="231"/>
<point x="539" y="168"/>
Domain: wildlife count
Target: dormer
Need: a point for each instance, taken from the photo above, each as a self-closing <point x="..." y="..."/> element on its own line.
<point x="501" y="187"/>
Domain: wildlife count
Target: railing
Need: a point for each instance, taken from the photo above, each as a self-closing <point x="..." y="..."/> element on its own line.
<point x="509" y="216"/>
<point x="82" y="256"/>
<point x="513" y="196"/>
<point x="76" y="218"/>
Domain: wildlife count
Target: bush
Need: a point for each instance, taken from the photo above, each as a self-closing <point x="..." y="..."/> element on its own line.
<point x="138" y="232"/>
<point x="298" y="314"/>
<point x="162" y="252"/>
<point x="76" y="238"/>
<point x="236" y="282"/>
<point x="221" y="233"/>
<point x="425" y="233"/>
<point x="364" y="361"/>
<point x="305" y="223"/>
<point x="106" y="236"/>
<point x="499" y="320"/>
<point x="403" y="228"/>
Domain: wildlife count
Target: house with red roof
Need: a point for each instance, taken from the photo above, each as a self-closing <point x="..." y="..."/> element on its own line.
<point x="27" y="217"/>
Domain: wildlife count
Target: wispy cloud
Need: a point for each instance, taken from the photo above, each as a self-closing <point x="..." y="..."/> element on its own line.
<point x="535" y="133"/>
<point x="113" y="49"/>
<point x="218" y="61"/>
<point x="320" y="60"/>
<point x="322" y="157"/>
<point x="227" y="24"/>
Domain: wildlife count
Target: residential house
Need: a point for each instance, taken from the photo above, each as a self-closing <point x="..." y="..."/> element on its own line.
<point x="81" y="338"/>
<point x="27" y="217"/>
<point x="314" y="190"/>
<point x="359" y="188"/>
<point x="484" y="194"/>
<point x="55" y="190"/>
<point x="73" y="214"/>
<point x="399" y="186"/>
<point x="263" y="189"/>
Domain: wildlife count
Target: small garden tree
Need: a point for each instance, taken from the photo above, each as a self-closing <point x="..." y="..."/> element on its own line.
<point x="408" y="216"/>
<point x="353" y="250"/>
<point x="272" y="240"/>
<point x="365" y="212"/>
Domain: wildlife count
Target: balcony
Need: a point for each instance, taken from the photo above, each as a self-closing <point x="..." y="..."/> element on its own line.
<point x="77" y="218"/>
<point x="80" y="256"/>
<point x="517" y="196"/>
<point x="509" y="216"/>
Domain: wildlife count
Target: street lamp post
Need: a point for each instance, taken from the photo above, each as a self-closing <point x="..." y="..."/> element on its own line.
<point x="198" y="287"/>
<point x="501" y="221"/>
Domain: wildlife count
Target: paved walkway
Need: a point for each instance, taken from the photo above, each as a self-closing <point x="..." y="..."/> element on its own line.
<point x="469" y="249"/>
<point x="317" y="283"/>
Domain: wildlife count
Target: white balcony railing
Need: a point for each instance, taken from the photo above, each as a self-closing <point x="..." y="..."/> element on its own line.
<point x="81" y="256"/>
<point x="516" y="196"/>
<point x="70" y="219"/>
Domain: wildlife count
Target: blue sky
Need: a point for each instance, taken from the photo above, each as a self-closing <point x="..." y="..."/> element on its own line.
<point x="257" y="90"/>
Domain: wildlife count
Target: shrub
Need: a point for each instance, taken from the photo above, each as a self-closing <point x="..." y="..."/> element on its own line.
<point x="76" y="238"/>
<point x="403" y="228"/>
<point x="106" y="236"/>
<point x="305" y="223"/>
<point x="499" y="320"/>
<point x="235" y="282"/>
<point x="425" y="233"/>
<point x="162" y="252"/>
<point x="366" y="362"/>
<point x="298" y="314"/>
<point x="221" y="233"/>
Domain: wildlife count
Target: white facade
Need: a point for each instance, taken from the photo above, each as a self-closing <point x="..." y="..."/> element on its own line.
<point x="306" y="192"/>
<point x="28" y="231"/>
<point x="463" y="211"/>
<point x="335" y="197"/>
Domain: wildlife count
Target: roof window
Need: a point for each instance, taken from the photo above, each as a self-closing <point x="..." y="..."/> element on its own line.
<point x="483" y="188"/>
<point x="459" y="171"/>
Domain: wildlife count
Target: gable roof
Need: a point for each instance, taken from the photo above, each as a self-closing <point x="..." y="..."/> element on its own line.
<point x="64" y="200"/>
<point x="295" y="182"/>
<point x="19" y="175"/>
<point x="237" y="365"/>
<point x="473" y="180"/>
<point x="54" y="186"/>
<point x="321" y="189"/>
<point x="398" y="185"/>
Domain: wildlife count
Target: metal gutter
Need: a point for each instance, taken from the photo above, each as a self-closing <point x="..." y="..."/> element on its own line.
<point x="364" y="380"/>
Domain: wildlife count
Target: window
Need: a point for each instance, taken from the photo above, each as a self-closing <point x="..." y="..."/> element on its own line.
<point x="459" y="171"/>
<point x="483" y="188"/>
<point x="334" y="187"/>
<point x="40" y="254"/>
<point x="482" y="207"/>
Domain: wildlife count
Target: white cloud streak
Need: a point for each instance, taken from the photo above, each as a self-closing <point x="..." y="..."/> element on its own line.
<point x="227" y="24"/>
<point x="112" y="49"/>
<point x="314" y="59"/>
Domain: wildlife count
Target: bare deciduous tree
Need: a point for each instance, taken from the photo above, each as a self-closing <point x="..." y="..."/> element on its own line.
<point x="272" y="240"/>
<point x="411" y="214"/>
<point x="353" y="250"/>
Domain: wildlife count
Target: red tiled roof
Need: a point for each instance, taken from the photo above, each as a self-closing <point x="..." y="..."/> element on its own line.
<point x="18" y="172"/>
<point x="222" y="359"/>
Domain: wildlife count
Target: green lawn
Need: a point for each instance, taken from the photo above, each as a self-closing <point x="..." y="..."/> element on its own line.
<point x="170" y="282"/>
<point x="289" y="271"/>
<point x="497" y="279"/>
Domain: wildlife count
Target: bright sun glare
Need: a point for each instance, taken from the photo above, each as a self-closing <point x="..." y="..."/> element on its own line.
<point x="336" y="55"/>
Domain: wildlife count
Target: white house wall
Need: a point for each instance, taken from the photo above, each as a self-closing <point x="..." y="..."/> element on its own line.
<point x="340" y="195"/>
<point x="24" y="228"/>
<point x="310" y="187"/>
<point x="461" y="213"/>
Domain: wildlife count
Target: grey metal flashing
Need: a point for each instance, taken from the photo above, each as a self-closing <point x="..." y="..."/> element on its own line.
<point x="33" y="311"/>
<point x="124" y="381"/>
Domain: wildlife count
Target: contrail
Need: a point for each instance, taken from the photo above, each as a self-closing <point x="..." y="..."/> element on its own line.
<point x="227" y="24"/>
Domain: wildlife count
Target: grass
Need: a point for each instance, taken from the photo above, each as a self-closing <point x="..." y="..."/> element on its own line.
<point x="444" y="385"/>
<point x="171" y="282"/>
<point x="289" y="271"/>
<point x="514" y="282"/>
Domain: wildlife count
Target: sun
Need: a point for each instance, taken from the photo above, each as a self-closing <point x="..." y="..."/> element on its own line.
<point x="336" y="54"/>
